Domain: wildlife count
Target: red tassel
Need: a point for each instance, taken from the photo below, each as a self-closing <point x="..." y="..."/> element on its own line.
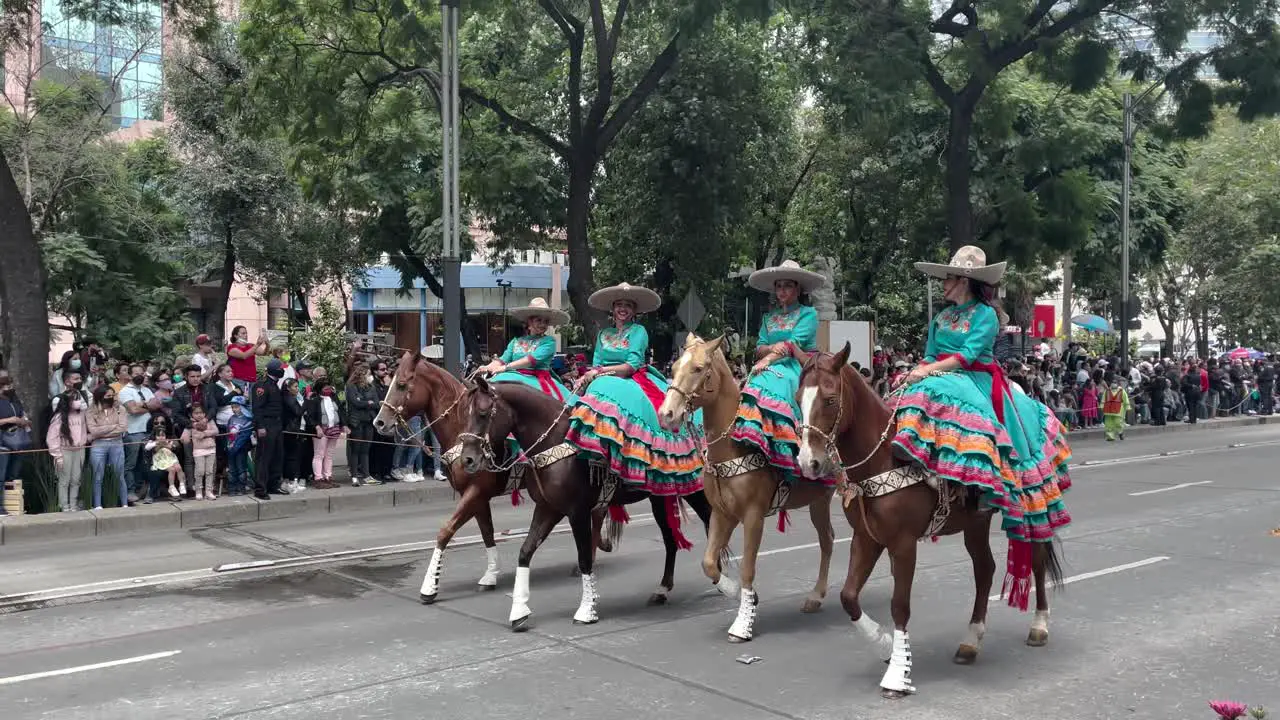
<point x="1017" y="579"/>
<point x="673" y="522"/>
<point x="934" y="538"/>
<point x="618" y="514"/>
<point x="516" y="498"/>
<point x="783" y="521"/>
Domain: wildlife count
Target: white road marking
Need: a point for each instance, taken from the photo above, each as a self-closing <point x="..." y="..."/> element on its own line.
<point x="86" y="668"/>
<point x="779" y="551"/>
<point x="1179" y="486"/>
<point x="1106" y="571"/>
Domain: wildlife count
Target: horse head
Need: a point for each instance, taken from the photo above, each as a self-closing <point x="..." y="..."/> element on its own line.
<point x="405" y="397"/>
<point x="487" y="420"/>
<point x="696" y="377"/>
<point x="826" y="410"/>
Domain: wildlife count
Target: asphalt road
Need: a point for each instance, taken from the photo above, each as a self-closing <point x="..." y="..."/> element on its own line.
<point x="1172" y="602"/>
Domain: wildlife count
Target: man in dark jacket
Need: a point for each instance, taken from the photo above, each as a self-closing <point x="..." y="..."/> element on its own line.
<point x="1267" y="387"/>
<point x="268" y="418"/>
<point x="1156" y="390"/>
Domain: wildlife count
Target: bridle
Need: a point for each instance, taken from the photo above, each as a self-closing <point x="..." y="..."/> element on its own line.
<point x="402" y="423"/>
<point x="829" y="437"/>
<point x="486" y="445"/>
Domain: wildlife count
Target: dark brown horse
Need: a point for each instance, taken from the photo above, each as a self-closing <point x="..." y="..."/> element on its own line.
<point x="560" y="482"/>
<point x="420" y="386"/>
<point x="892" y="506"/>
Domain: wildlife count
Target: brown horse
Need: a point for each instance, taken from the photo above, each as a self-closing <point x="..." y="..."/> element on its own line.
<point x="892" y="505"/>
<point x="420" y="386"/>
<point x="561" y="483"/>
<point x="742" y="489"/>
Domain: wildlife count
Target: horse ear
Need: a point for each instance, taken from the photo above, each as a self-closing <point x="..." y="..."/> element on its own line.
<point x="691" y="340"/>
<point x="409" y="359"/>
<point x="842" y="357"/>
<point x="714" y="345"/>
<point x="482" y="384"/>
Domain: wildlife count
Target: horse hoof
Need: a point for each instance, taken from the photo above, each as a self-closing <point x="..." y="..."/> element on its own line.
<point x="486" y="588"/>
<point x="966" y="655"/>
<point x="431" y="600"/>
<point x="657" y="599"/>
<point x="1038" y="638"/>
<point x="735" y="640"/>
<point x="585" y="622"/>
<point x="893" y="694"/>
<point x="522" y="624"/>
<point x="605" y="546"/>
<point x="811" y="606"/>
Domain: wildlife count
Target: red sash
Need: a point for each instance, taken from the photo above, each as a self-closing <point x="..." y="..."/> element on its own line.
<point x="650" y="388"/>
<point x="547" y="383"/>
<point x="999" y="386"/>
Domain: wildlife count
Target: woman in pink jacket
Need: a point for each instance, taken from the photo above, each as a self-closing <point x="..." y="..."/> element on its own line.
<point x="67" y="439"/>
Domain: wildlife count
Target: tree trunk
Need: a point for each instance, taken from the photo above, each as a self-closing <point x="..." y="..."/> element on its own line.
<point x="218" y="317"/>
<point x="581" y="275"/>
<point x="959" y="175"/>
<point x="22" y="301"/>
<point x="1068" y="265"/>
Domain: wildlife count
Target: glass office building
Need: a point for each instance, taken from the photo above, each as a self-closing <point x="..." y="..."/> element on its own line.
<point x="127" y="58"/>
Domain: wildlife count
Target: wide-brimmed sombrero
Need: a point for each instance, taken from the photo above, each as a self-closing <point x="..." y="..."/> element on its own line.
<point x="808" y="280"/>
<point x="538" y="307"/>
<point x="969" y="261"/>
<point x="644" y="299"/>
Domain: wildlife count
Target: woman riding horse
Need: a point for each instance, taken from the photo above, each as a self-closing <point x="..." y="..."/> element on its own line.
<point x="616" y="419"/>
<point x="788" y="332"/>
<point x="958" y="418"/>
<point x="527" y="359"/>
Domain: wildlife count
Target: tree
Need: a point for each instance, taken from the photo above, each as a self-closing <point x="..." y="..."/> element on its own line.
<point x="558" y="74"/>
<point x="961" y="51"/>
<point x="232" y="185"/>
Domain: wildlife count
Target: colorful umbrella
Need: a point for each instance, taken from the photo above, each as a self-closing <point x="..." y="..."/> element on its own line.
<point x="1093" y="323"/>
<point x="1241" y="353"/>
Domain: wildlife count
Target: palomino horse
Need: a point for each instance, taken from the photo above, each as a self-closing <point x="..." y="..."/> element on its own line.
<point x="741" y="485"/>
<point x="421" y="387"/>
<point x="561" y="483"/>
<point x="892" y="505"/>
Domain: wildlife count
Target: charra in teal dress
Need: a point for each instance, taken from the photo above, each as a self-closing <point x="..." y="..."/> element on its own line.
<point x="767" y="412"/>
<point x="616" y="420"/>
<point x="540" y="349"/>
<point x="968" y="427"/>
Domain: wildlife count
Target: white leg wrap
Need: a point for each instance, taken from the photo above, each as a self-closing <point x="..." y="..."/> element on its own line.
<point x="727" y="586"/>
<point x="520" y="595"/>
<point x="745" y="623"/>
<point x="587" y="614"/>
<point x="871" y="632"/>
<point x="1040" y="621"/>
<point x="431" y="583"/>
<point x="490" y="577"/>
<point x="898" y="676"/>
<point x="973" y="636"/>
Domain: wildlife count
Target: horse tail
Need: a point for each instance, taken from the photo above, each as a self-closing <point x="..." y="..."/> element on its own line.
<point x="1053" y="563"/>
<point x="616" y="523"/>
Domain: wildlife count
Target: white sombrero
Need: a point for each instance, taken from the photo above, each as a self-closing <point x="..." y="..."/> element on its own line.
<point x="808" y="280"/>
<point x="969" y="261"/>
<point x="644" y="299"/>
<point x="538" y="308"/>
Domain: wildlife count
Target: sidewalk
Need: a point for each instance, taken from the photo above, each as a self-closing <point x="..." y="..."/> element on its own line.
<point x="191" y="514"/>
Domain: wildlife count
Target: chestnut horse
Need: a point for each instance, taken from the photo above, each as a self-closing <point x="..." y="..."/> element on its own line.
<point x="561" y="483"/>
<point x="420" y="386"/>
<point x="742" y="488"/>
<point x="891" y="505"/>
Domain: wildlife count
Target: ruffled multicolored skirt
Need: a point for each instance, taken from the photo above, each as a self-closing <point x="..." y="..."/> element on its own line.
<point x="767" y="415"/>
<point x="616" y="422"/>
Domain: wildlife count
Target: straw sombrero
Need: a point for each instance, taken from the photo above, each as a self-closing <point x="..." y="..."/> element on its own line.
<point x="538" y="308"/>
<point x="644" y="299"/>
<point x="808" y="280"/>
<point x="969" y="261"/>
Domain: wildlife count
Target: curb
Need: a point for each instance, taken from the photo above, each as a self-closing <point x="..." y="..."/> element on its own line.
<point x="191" y="514"/>
<point x="1098" y="435"/>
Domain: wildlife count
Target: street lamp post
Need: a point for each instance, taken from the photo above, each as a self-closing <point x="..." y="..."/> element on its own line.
<point x="450" y="256"/>
<point x="506" y="286"/>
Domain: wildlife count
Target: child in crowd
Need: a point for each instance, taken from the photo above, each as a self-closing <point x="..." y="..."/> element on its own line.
<point x="1089" y="404"/>
<point x="163" y="462"/>
<point x="238" y="446"/>
<point x="202" y="437"/>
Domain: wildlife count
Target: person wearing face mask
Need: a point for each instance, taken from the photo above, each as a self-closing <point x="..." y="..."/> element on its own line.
<point x="67" y="439"/>
<point x="324" y="413"/>
<point x="242" y="356"/>
<point x="362" y="406"/>
<point x="268" y="418"/>
<point x="106" y="423"/>
<point x="73" y="384"/>
<point x="15" y="435"/>
<point x="139" y="402"/>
